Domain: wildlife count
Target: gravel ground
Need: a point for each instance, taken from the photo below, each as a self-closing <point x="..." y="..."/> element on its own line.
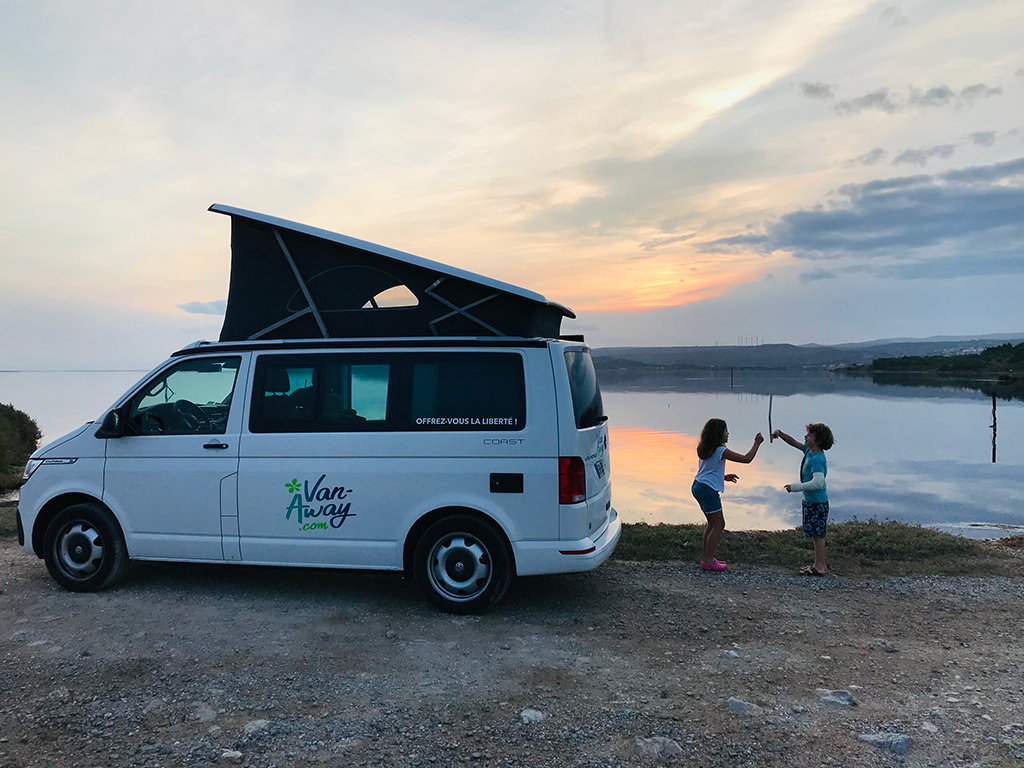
<point x="633" y="664"/>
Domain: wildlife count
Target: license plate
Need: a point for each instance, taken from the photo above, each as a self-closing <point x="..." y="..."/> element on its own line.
<point x="599" y="468"/>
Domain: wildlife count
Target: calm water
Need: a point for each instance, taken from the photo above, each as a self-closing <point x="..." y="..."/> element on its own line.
<point x="914" y="454"/>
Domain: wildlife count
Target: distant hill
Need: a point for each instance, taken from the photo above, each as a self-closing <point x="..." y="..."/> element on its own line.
<point x="778" y="356"/>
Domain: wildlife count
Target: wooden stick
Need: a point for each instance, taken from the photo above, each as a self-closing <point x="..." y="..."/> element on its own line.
<point x="770" y="438"/>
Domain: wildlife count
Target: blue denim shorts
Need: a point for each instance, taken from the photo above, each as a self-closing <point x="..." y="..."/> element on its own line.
<point x="815" y="518"/>
<point x="708" y="498"/>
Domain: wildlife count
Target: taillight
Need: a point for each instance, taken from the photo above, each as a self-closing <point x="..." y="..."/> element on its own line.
<point x="572" y="480"/>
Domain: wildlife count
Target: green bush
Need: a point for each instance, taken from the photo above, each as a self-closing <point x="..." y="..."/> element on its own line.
<point x="19" y="437"/>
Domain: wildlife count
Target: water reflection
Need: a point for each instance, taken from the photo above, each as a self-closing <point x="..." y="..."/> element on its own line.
<point x="653" y="469"/>
<point x="911" y="454"/>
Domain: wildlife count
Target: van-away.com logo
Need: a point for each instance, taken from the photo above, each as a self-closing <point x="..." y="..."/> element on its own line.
<point x="318" y="501"/>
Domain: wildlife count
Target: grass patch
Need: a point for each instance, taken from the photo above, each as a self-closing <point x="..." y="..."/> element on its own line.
<point x="854" y="549"/>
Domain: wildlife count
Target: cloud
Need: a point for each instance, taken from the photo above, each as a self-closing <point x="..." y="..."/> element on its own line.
<point x="635" y="190"/>
<point x="922" y="156"/>
<point x="962" y="222"/>
<point x="951" y="267"/>
<point x="979" y="91"/>
<point x="892" y="17"/>
<point x="882" y="100"/>
<point x="736" y="244"/>
<point x="658" y="242"/>
<point x="877" y="99"/>
<point x="828" y="274"/>
<point x="868" y="158"/>
<point x="816" y="90"/>
<point x="983" y="138"/>
<point x="817" y="274"/>
<point x="938" y="96"/>
<point x="205" y="307"/>
<point x="1011" y="170"/>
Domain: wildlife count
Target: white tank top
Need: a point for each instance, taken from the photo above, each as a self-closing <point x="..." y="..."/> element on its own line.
<point x="711" y="471"/>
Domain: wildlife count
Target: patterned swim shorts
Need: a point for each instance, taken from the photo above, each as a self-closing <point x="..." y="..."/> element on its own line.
<point x="815" y="518"/>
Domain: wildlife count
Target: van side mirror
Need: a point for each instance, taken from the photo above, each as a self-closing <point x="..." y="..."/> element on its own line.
<point x="112" y="425"/>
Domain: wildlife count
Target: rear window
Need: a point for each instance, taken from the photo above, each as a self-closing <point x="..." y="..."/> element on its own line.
<point x="468" y="392"/>
<point x="586" y="394"/>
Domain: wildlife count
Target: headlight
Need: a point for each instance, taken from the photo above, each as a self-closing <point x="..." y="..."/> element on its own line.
<point x="34" y="464"/>
<point x="30" y="467"/>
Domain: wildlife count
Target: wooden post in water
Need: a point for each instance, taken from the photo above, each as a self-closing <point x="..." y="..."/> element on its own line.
<point x="993" y="429"/>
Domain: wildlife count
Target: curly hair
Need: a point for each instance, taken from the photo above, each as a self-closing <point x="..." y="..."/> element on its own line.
<point x="711" y="437"/>
<point x="822" y="434"/>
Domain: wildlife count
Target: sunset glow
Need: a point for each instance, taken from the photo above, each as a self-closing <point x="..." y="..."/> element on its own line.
<point x="653" y="166"/>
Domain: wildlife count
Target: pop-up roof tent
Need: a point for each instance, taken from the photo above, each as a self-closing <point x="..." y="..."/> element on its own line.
<point x="292" y="281"/>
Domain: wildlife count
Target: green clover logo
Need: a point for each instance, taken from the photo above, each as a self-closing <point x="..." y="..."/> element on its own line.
<point x="293" y="486"/>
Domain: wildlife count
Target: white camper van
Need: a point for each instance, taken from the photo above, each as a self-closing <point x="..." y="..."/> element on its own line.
<point x="460" y="460"/>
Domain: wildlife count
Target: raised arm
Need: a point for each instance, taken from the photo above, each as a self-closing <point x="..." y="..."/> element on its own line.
<point x="787" y="438"/>
<point x="745" y="458"/>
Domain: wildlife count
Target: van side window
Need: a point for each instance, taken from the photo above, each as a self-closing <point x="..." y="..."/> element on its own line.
<point x="289" y="394"/>
<point x="586" y="394"/>
<point x="472" y="391"/>
<point x="355" y="394"/>
<point x="192" y="398"/>
<point x="321" y="393"/>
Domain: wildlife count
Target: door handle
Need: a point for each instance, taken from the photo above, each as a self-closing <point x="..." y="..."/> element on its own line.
<point x="216" y="445"/>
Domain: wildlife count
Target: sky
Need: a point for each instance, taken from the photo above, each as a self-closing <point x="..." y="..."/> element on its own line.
<point x="678" y="173"/>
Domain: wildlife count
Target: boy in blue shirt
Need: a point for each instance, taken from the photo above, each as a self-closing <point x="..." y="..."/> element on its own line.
<point x="813" y="469"/>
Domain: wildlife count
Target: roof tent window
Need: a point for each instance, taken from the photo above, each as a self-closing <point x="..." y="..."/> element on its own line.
<point x="392" y="298"/>
<point x="352" y="287"/>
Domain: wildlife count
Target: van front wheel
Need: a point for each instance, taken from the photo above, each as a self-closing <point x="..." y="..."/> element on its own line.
<point x="84" y="549"/>
<point x="462" y="564"/>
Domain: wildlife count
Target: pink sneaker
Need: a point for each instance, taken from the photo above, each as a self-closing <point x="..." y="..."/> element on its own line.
<point x="714" y="565"/>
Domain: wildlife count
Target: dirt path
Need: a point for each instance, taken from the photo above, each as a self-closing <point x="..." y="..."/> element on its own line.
<point x="195" y="666"/>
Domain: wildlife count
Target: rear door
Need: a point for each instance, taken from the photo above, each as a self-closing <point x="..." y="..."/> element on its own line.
<point x="583" y="432"/>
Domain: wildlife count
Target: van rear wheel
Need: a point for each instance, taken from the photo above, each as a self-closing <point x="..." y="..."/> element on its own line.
<point x="84" y="549"/>
<point x="462" y="564"/>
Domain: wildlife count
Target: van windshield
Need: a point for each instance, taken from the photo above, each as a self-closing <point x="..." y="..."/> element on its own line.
<point x="586" y="394"/>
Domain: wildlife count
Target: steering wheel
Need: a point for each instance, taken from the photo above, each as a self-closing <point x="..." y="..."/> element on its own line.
<point x="191" y="415"/>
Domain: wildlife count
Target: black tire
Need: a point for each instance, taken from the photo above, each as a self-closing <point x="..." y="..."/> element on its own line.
<point x="462" y="564"/>
<point x="84" y="549"/>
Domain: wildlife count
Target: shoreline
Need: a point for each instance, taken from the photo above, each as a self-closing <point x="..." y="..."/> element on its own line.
<point x="9" y="500"/>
